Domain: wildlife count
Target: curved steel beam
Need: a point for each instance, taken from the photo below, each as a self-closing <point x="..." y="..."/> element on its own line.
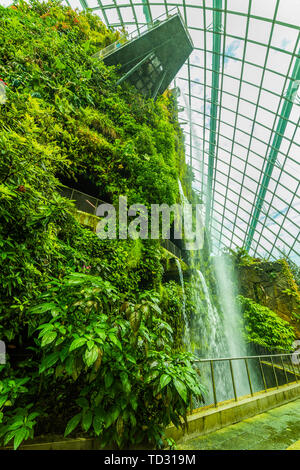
<point x="271" y="162"/>
<point x="217" y="25"/>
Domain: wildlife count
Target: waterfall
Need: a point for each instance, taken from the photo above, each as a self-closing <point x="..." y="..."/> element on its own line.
<point x="216" y="328"/>
<point x="181" y="193"/>
<point x="186" y="333"/>
<point x="216" y="347"/>
<point x="218" y="334"/>
<point x="233" y="324"/>
<point x="209" y="340"/>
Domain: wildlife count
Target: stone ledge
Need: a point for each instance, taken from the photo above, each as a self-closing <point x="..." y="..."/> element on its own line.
<point x="295" y="446"/>
<point x="211" y="419"/>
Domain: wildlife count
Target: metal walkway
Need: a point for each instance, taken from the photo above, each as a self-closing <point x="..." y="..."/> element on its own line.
<point x="276" y="429"/>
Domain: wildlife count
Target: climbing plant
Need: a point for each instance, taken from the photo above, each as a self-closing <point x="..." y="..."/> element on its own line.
<point x="265" y="327"/>
<point x="90" y="348"/>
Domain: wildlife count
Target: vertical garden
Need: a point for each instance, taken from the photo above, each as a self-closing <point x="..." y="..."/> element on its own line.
<point x="92" y="335"/>
<point x="95" y="330"/>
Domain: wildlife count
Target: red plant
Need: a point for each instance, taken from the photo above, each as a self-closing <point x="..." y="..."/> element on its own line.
<point x="22" y="189"/>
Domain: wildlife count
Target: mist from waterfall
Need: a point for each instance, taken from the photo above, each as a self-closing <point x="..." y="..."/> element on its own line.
<point x="207" y="339"/>
<point x="232" y="320"/>
<point x="216" y="328"/>
<point x="186" y="330"/>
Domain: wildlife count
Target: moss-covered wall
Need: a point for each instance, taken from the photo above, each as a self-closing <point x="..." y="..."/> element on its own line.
<point x="87" y="322"/>
<point x="272" y="284"/>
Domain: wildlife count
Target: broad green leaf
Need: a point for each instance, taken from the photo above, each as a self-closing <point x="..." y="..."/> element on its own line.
<point x="90" y="356"/>
<point x="69" y="365"/>
<point x="156" y="308"/>
<point x="43" y="307"/>
<point x="108" y="379"/>
<point x="49" y="361"/>
<point x="77" y="343"/>
<point x="181" y="389"/>
<point x="90" y="344"/>
<point x="44" y="328"/>
<point x="72" y="424"/>
<point x="115" y="340"/>
<point x="33" y="415"/>
<point x="9" y="436"/>
<point x="19" y="437"/>
<point x="134" y="402"/>
<point x="164" y="380"/>
<point x="63" y="354"/>
<point x="133" y="419"/>
<point x="17" y="423"/>
<point x="125" y="382"/>
<point x="130" y="358"/>
<point x="112" y="416"/>
<point x="87" y="420"/>
<point x="97" y="423"/>
<point x="101" y="333"/>
<point x="48" y="337"/>
<point x="4" y="400"/>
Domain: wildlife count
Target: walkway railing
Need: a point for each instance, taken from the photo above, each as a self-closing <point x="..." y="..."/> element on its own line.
<point x="261" y="373"/>
<point x="86" y="203"/>
<point x="124" y="39"/>
<point x="170" y="246"/>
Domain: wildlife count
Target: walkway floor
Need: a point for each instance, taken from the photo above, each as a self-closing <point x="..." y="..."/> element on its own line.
<point x="276" y="429"/>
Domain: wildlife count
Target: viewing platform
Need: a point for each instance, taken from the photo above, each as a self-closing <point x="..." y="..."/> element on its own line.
<point x="151" y="56"/>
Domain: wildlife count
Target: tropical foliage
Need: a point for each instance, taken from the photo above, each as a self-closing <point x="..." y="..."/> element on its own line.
<point x="265" y="327"/>
<point x="90" y="348"/>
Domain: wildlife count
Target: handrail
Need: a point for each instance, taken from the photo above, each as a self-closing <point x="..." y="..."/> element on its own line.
<point x="284" y="365"/>
<point x="137" y="33"/>
<point x="85" y="198"/>
<point x="244" y="357"/>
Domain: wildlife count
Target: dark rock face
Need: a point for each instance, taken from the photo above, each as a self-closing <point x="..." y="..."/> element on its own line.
<point x="272" y="284"/>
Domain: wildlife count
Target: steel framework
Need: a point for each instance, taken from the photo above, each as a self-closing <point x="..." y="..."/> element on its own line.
<point x="239" y="90"/>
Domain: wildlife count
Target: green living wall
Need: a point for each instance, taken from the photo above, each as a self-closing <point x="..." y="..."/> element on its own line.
<point x="86" y="322"/>
<point x="269" y="300"/>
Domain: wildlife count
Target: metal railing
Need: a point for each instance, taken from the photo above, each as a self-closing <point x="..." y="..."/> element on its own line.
<point x="170" y="246"/>
<point x="261" y="373"/>
<point x="137" y="33"/>
<point x="84" y="202"/>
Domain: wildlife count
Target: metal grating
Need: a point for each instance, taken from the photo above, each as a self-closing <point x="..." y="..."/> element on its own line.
<point x="240" y="94"/>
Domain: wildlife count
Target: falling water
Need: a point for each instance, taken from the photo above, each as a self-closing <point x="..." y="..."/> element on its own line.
<point x="186" y="334"/>
<point x="216" y="346"/>
<point x="214" y="333"/>
<point x="233" y="323"/>
<point x="182" y="195"/>
<point x="209" y="340"/>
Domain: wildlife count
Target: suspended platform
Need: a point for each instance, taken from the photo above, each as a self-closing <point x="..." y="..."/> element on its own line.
<point x="151" y="60"/>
